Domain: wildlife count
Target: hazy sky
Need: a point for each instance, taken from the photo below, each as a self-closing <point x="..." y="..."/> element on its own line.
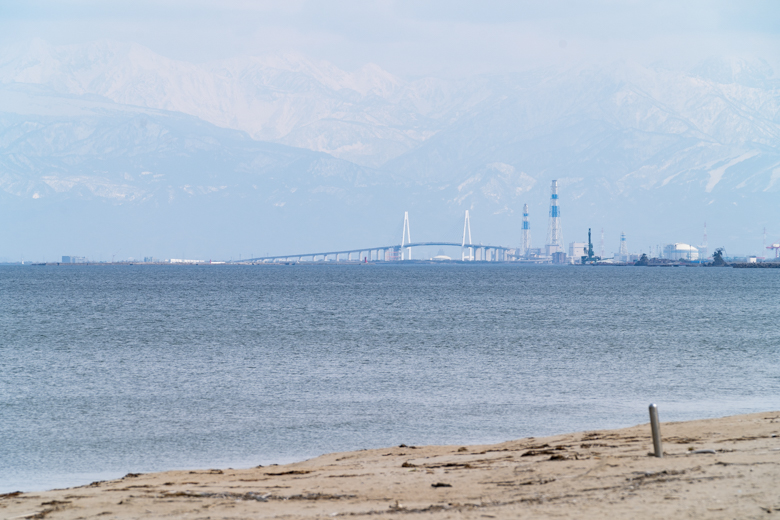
<point x="412" y="37"/>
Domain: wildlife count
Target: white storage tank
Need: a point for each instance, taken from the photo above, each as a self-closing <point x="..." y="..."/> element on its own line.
<point x="680" y="251"/>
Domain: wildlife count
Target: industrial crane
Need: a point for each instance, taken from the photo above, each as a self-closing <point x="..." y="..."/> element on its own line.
<point x="776" y="247"/>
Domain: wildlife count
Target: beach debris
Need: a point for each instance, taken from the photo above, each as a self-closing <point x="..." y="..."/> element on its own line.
<point x="408" y="464"/>
<point x="532" y="482"/>
<point x="683" y="440"/>
<point x="441" y="484"/>
<point x="258" y="497"/>
<point x="641" y="475"/>
<point x="698" y="452"/>
<point x="316" y="496"/>
<point x="564" y="456"/>
<point x="462" y="449"/>
<point x="549" y="451"/>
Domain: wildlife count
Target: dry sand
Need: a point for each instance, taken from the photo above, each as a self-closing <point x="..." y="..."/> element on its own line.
<point x="599" y="474"/>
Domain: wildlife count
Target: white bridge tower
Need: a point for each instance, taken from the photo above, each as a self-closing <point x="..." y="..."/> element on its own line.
<point x="406" y="238"/>
<point x="463" y="248"/>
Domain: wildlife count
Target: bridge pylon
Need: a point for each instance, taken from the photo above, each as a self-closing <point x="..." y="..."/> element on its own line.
<point x="406" y="238"/>
<point x="463" y="248"/>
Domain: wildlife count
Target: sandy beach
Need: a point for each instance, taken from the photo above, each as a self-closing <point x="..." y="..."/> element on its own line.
<point x="715" y="468"/>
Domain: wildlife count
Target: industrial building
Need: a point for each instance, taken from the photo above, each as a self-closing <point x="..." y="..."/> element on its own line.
<point x="622" y="255"/>
<point x="680" y="251"/>
<point x="576" y="251"/>
<point x="559" y="257"/>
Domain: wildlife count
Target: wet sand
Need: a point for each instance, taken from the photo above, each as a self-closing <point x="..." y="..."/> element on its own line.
<point x="597" y="474"/>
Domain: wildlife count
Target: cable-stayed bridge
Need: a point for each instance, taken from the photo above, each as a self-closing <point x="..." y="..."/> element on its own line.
<point x="395" y="253"/>
<point x="403" y="251"/>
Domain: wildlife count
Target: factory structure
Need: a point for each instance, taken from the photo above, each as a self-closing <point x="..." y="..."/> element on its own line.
<point x="554" y="233"/>
<point x="680" y="251"/>
<point x="555" y="251"/>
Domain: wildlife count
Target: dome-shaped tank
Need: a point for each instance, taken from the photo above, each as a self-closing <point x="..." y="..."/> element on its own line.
<point x="680" y="251"/>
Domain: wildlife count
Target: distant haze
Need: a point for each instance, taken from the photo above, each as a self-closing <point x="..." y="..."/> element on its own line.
<point x="211" y="130"/>
<point x="449" y="38"/>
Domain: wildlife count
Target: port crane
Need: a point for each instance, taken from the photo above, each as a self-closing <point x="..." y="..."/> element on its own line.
<point x="776" y="247"/>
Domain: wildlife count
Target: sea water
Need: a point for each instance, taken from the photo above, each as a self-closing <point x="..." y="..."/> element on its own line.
<point x="106" y="370"/>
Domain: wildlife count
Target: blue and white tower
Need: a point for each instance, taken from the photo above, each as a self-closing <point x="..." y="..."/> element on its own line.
<point x="554" y="233"/>
<point x="526" y="233"/>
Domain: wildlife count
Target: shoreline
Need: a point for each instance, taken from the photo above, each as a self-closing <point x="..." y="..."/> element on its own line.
<point x="712" y="468"/>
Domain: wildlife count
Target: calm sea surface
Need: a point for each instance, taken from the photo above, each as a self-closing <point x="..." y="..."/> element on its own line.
<point x="107" y="370"/>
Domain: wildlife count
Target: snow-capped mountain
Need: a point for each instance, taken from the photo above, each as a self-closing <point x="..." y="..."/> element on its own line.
<point x="650" y="151"/>
<point x="665" y="143"/>
<point x="367" y="116"/>
<point x="165" y="177"/>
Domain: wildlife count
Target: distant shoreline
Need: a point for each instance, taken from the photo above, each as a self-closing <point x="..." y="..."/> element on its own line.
<point x="736" y="265"/>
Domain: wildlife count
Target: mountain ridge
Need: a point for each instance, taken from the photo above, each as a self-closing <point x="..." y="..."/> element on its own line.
<point x="624" y="141"/>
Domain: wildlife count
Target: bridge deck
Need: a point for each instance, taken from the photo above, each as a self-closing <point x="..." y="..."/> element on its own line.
<point x="396" y="246"/>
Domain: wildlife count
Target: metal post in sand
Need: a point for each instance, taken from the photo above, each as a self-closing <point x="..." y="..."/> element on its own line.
<point x="655" y="426"/>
